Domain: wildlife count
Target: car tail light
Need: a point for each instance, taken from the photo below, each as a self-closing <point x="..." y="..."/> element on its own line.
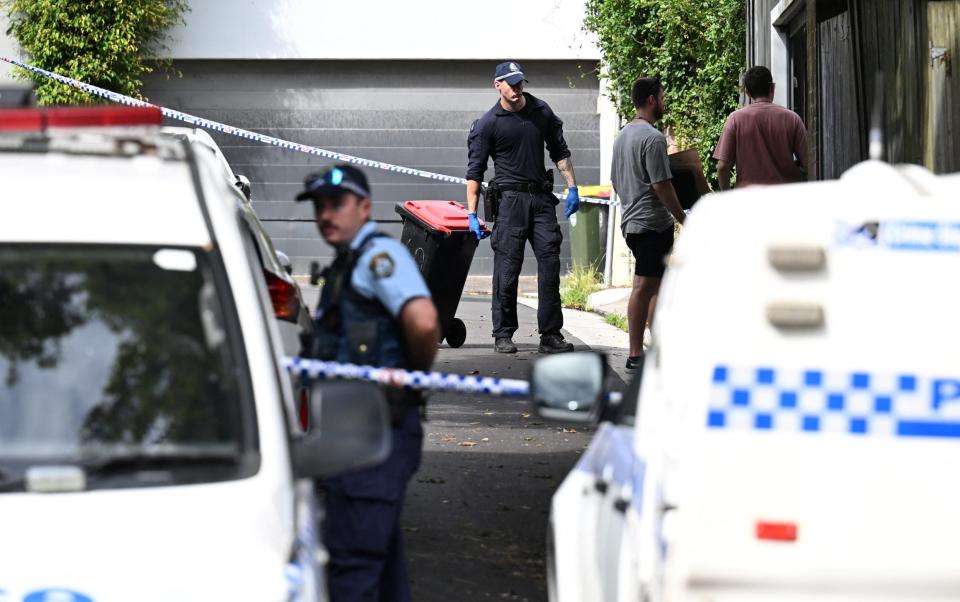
<point x="303" y="409"/>
<point x="776" y="531"/>
<point x="283" y="295"/>
<point x="36" y="120"/>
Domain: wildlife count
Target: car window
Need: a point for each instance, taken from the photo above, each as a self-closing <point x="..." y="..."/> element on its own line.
<point x="120" y="353"/>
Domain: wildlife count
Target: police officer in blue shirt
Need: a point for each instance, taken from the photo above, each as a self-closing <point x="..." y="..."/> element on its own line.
<point x="514" y="133"/>
<point x="375" y="309"/>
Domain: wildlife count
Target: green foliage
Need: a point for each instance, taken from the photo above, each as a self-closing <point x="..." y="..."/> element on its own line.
<point x="618" y="320"/>
<point x="577" y="286"/>
<point x="107" y="43"/>
<point x="695" y="47"/>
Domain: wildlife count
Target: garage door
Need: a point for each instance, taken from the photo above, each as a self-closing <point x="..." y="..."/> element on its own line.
<point x="411" y="113"/>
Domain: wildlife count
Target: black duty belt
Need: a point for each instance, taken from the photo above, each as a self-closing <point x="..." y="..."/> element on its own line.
<point x="531" y="187"/>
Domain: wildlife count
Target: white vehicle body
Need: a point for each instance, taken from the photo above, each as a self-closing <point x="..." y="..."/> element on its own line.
<point x="274" y="263"/>
<point x="249" y="538"/>
<point x="796" y="431"/>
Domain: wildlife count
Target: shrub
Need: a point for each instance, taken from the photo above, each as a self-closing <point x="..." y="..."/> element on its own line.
<point x="695" y="47"/>
<point x="107" y="43"/>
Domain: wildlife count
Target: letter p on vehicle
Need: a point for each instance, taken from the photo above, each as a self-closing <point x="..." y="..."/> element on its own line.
<point x="945" y="390"/>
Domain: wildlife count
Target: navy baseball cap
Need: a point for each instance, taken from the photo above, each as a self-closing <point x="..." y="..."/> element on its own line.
<point x="509" y="72"/>
<point x="334" y="182"/>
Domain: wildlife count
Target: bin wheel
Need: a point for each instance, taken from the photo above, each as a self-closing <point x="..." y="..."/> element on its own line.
<point x="455" y="333"/>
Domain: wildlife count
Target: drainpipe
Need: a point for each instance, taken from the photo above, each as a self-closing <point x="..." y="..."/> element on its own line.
<point x="608" y="256"/>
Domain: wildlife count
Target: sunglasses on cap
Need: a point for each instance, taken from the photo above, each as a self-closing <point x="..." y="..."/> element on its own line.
<point x="332" y="183"/>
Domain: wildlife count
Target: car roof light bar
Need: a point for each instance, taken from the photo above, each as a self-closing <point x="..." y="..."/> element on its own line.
<point x="35" y="120"/>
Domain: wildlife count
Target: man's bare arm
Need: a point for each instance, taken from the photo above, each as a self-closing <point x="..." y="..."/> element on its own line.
<point x="566" y="170"/>
<point x="421" y="331"/>
<point x="668" y="196"/>
<point x="724" y="170"/>
<point x="473" y="195"/>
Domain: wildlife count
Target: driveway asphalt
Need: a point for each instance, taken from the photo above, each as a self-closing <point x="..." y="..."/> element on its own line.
<point x="476" y="513"/>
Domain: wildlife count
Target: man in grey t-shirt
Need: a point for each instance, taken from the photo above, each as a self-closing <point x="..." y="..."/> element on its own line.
<point x="642" y="179"/>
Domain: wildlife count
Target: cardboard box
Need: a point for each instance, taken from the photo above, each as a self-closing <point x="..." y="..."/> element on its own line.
<point x="688" y="178"/>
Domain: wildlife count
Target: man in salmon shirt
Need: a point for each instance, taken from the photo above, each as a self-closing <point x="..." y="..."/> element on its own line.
<point x="767" y="142"/>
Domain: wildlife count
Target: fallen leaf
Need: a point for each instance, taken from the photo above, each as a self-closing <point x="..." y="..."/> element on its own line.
<point x="569" y="430"/>
<point x="467" y="443"/>
<point x="432" y="481"/>
<point x="525" y="415"/>
<point x="485" y="439"/>
<point x="528" y="438"/>
<point x="474" y="372"/>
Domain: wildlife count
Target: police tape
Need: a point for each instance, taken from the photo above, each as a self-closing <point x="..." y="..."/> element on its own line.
<point x="309" y="369"/>
<point x="250" y="135"/>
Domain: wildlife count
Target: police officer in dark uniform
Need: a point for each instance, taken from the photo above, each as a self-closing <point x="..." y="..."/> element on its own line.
<point x="514" y="133"/>
<point x="375" y="309"/>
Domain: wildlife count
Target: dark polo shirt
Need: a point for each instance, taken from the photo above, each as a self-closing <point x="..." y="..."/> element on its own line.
<point x="515" y="142"/>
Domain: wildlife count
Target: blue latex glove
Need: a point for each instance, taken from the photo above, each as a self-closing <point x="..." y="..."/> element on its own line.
<point x="475" y="226"/>
<point x="573" y="201"/>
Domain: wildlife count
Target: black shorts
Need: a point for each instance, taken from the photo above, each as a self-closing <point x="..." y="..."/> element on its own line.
<point x="650" y="250"/>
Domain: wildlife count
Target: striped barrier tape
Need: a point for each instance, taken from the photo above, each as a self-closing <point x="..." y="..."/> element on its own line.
<point x="250" y="135"/>
<point x="309" y="369"/>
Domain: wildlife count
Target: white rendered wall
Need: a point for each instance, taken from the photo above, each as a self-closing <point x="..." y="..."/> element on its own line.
<point x="8" y="48"/>
<point x="375" y="29"/>
<point x="384" y="29"/>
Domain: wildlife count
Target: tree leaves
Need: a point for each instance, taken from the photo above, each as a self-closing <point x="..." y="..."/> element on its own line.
<point x="107" y="43"/>
<point x="695" y="47"/>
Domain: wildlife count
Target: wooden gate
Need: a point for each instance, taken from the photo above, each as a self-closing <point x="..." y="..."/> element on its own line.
<point x="942" y="152"/>
<point x="840" y="130"/>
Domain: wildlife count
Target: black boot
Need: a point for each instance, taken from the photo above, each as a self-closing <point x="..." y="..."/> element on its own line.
<point x="504" y="345"/>
<point x="554" y="343"/>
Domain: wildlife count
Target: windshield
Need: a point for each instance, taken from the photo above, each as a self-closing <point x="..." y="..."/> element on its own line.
<point x="113" y="353"/>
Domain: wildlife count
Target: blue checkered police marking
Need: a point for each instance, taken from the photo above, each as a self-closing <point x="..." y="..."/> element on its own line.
<point x="816" y="401"/>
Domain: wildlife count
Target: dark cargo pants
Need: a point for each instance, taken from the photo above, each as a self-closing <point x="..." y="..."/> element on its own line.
<point x="524" y="216"/>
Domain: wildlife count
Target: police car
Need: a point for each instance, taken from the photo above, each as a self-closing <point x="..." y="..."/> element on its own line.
<point x="150" y="444"/>
<point x="795" y="433"/>
<point x="290" y="309"/>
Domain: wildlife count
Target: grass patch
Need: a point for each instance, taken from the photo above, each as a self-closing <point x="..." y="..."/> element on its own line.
<point x="618" y="320"/>
<point x="576" y="287"/>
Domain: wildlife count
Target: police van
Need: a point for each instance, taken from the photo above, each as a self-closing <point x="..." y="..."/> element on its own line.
<point x="151" y="447"/>
<point x="795" y="432"/>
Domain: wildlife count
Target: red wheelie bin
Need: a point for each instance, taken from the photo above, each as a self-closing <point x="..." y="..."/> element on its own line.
<point x="438" y="235"/>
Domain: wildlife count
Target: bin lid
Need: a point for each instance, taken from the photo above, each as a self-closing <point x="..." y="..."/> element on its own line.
<point x="444" y="217"/>
<point x="600" y="192"/>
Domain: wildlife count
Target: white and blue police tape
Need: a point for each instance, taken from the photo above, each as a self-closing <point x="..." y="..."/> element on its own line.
<point x="249" y="135"/>
<point x="816" y="401"/>
<point x="310" y="369"/>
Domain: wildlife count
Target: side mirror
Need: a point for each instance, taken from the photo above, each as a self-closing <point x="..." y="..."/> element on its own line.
<point x="347" y="428"/>
<point x="243" y="183"/>
<point x="569" y="386"/>
<point x="285" y="262"/>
